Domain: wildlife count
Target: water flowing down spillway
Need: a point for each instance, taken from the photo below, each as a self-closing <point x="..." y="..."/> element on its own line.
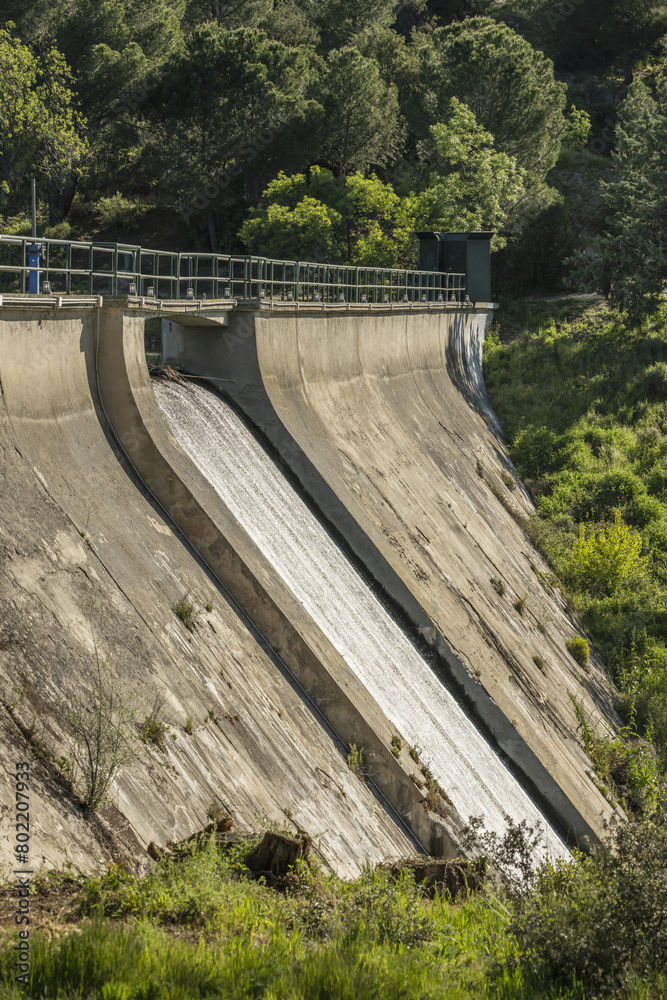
<point x="346" y="610"/>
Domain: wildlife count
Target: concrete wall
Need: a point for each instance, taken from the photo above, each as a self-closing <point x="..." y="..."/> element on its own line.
<point x="91" y="568"/>
<point x="383" y="418"/>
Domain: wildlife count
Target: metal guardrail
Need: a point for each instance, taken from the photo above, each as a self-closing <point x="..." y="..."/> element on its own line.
<point x="73" y="268"/>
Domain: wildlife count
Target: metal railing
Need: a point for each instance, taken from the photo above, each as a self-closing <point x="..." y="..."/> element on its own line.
<point x="125" y="269"/>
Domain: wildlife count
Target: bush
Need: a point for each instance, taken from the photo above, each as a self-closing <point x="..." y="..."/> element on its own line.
<point x="602" y="563"/>
<point x="578" y="647"/>
<point x="537" y="449"/>
<point x="118" y="212"/>
<point x="600" y="920"/>
<point x="186" y="612"/>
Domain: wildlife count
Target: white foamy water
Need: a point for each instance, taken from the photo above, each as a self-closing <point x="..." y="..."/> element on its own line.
<point x="346" y="610"/>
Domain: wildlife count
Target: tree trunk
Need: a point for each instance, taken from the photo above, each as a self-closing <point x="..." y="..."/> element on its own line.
<point x="276" y="854"/>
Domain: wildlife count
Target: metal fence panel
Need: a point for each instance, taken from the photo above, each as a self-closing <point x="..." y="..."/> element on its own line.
<point x="125" y="269"/>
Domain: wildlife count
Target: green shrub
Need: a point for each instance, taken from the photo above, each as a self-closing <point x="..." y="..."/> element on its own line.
<point x="652" y="382"/>
<point x="356" y="761"/>
<point x="601" y="563"/>
<point x="60" y="231"/>
<point x="153" y="731"/>
<point x="536" y="449"/>
<point x="118" y="212"/>
<point x="601" y="920"/>
<point x="186" y="612"/>
<point x="578" y="647"/>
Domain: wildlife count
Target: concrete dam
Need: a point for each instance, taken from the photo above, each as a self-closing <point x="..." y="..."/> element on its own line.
<point x="331" y="494"/>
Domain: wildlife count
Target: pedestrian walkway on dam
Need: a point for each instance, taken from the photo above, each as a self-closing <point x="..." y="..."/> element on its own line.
<point x="64" y="267"/>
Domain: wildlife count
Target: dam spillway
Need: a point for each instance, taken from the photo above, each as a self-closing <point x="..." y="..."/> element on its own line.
<point x="336" y="597"/>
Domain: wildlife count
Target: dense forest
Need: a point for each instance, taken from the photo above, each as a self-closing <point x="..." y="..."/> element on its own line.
<point x="333" y="130"/>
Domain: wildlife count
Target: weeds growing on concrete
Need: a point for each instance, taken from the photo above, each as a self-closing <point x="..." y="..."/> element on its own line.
<point x="99" y="732"/>
<point x="579" y="649"/>
<point x="356" y="761"/>
<point x="539" y="663"/>
<point x="186" y="612"/>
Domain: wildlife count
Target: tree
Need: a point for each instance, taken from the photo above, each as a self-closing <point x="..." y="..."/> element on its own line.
<point x="361" y="124"/>
<point x="339" y="21"/>
<point x="321" y="217"/>
<point x="593" y="34"/>
<point x="471" y="186"/>
<point x="508" y="85"/>
<point x="629" y="259"/>
<point x="228" y="13"/>
<point x="41" y="133"/>
<point x="225" y="97"/>
<point x="287" y="23"/>
<point x="98" y="722"/>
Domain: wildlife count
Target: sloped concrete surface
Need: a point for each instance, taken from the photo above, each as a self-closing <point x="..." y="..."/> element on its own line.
<point x="384" y="420"/>
<point x="90" y="571"/>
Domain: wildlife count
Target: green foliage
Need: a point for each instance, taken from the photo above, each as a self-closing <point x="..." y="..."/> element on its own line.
<point x="508" y="86"/>
<point x="321" y="217"/>
<point x="186" y="612"/>
<point x="546" y="239"/>
<point x="589" y="435"/>
<point x="338" y="21"/>
<point x="228" y="13"/>
<point x="224" y="97"/>
<point x="629" y="258"/>
<point x="578" y="647"/>
<point x="472" y="186"/>
<point x="287" y="23"/>
<point x="367" y="939"/>
<point x="305" y="232"/>
<point x="361" y="126"/>
<point x="361" y="220"/>
<point x="603" y="562"/>
<point x="578" y="128"/>
<point x="593" y="34"/>
<point x="356" y="761"/>
<point x="600" y="921"/>
<point x="624" y="763"/>
<point x="154" y="731"/>
<point x="40" y="130"/>
<point x="118" y="212"/>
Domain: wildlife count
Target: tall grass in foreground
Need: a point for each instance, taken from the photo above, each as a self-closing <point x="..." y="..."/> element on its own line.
<point x="202" y="927"/>
<point x="581" y="392"/>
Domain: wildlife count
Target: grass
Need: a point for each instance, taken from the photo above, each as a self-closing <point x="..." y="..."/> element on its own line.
<point x="200" y="925"/>
<point x="356" y="761"/>
<point x="581" y="391"/>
